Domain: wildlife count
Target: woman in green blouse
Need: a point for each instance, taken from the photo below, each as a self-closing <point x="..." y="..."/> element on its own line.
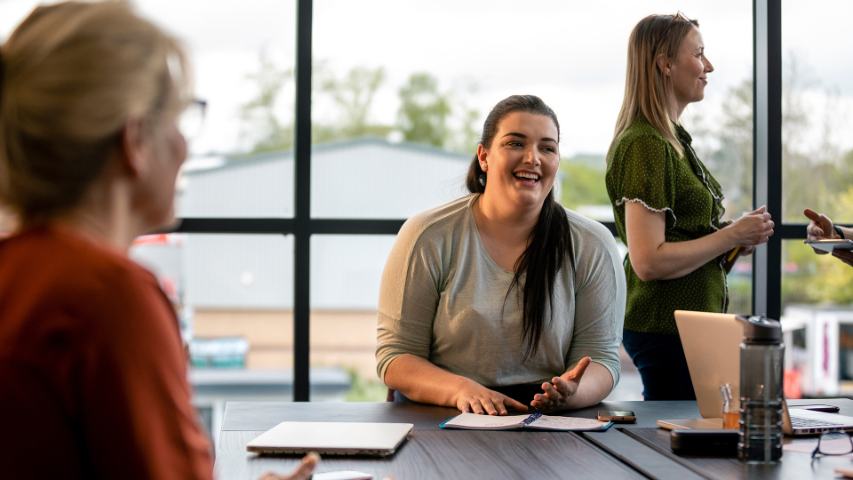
<point x="667" y="204"/>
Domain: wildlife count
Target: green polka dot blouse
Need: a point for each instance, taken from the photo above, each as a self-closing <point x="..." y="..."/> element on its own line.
<point x="643" y="167"/>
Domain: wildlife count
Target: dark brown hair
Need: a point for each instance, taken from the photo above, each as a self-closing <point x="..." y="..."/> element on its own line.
<point x="550" y="240"/>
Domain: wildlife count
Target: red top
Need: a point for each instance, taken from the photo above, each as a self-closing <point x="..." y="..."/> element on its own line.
<point x="93" y="380"/>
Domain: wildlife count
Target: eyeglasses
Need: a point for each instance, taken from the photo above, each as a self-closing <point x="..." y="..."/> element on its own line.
<point x="191" y="119"/>
<point x="833" y="443"/>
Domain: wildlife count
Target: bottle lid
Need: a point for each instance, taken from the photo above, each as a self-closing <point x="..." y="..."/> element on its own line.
<point x="760" y="329"/>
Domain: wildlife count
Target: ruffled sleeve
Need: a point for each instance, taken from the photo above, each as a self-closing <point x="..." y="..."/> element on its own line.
<point x="644" y="174"/>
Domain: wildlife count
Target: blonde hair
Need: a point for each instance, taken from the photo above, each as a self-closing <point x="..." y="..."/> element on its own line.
<point x="71" y="76"/>
<point x="646" y="87"/>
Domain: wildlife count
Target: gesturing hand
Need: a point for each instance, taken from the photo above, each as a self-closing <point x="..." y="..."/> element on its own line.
<point x="559" y="390"/>
<point x="302" y="472"/>
<point x="475" y="398"/>
<point x="819" y="227"/>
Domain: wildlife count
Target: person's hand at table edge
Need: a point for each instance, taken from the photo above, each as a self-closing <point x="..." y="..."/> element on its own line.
<point x="302" y="472"/>
<point x="475" y="398"/>
<point x="559" y="390"/>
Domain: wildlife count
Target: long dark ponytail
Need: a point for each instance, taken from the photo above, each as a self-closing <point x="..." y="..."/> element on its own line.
<point x="550" y="241"/>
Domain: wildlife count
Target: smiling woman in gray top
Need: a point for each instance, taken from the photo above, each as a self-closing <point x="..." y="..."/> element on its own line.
<point x="503" y="298"/>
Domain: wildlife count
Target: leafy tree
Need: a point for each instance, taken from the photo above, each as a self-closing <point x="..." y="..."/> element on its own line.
<point x="813" y="177"/>
<point x="465" y="119"/>
<point x="731" y="162"/>
<point x="352" y="97"/>
<point x="259" y="120"/>
<point x="424" y="111"/>
<point x="582" y="183"/>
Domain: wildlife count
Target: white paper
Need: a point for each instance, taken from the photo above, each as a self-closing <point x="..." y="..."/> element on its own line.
<point x="472" y="421"/>
<point x="342" y="475"/>
<point x="549" y="422"/>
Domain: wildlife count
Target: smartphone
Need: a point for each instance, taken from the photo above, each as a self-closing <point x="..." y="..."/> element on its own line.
<point x="830" y="244"/>
<point x="730" y="257"/>
<point x="616" y="416"/>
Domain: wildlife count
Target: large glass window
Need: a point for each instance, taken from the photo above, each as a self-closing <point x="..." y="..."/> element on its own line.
<point x="398" y="108"/>
<point x="817" y="173"/>
<point x="817" y="107"/>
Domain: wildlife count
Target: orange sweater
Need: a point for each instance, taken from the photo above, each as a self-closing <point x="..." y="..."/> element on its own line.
<point x="92" y="372"/>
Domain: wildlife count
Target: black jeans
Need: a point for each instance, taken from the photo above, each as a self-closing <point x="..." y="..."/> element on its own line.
<point x="660" y="360"/>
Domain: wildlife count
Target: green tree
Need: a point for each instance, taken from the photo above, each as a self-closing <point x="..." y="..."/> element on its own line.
<point x="352" y="98"/>
<point x="582" y="181"/>
<point x="466" y="120"/>
<point x="259" y="120"/>
<point x="424" y="111"/>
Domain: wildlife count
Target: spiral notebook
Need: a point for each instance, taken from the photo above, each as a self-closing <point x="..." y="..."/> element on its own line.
<point x="534" y="421"/>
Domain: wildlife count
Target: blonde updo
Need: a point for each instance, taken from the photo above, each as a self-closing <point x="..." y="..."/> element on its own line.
<point x="71" y="76"/>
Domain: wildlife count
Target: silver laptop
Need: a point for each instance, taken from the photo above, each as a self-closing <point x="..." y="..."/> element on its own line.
<point x="711" y="343"/>
<point x="332" y="438"/>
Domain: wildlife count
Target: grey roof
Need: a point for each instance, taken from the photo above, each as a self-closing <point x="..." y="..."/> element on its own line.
<point x="244" y="160"/>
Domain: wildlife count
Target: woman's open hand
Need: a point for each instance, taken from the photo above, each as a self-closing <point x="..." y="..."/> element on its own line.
<point x="475" y="398"/>
<point x="559" y="390"/>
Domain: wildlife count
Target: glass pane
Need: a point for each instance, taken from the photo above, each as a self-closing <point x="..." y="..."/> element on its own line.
<point x="345" y="275"/>
<point x="234" y="295"/>
<point x="241" y="161"/>
<point x="817" y="107"/>
<point x="739" y="281"/>
<point x="398" y="109"/>
<point x="817" y="316"/>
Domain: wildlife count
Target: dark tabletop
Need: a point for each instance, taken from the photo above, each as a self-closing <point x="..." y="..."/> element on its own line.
<point x="630" y="451"/>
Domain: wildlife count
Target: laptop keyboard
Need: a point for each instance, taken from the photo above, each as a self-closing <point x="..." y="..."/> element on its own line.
<point x="808" y="423"/>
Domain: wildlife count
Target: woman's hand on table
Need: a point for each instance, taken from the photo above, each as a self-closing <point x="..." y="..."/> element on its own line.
<point x="475" y="398"/>
<point x="556" y="393"/>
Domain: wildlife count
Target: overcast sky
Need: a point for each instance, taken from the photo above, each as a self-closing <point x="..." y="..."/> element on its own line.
<point x="570" y="53"/>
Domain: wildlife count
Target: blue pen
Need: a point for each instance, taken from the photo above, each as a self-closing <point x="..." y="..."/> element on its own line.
<point x="532" y="418"/>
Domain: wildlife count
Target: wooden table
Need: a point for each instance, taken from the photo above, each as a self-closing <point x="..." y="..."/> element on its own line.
<point x="634" y="451"/>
